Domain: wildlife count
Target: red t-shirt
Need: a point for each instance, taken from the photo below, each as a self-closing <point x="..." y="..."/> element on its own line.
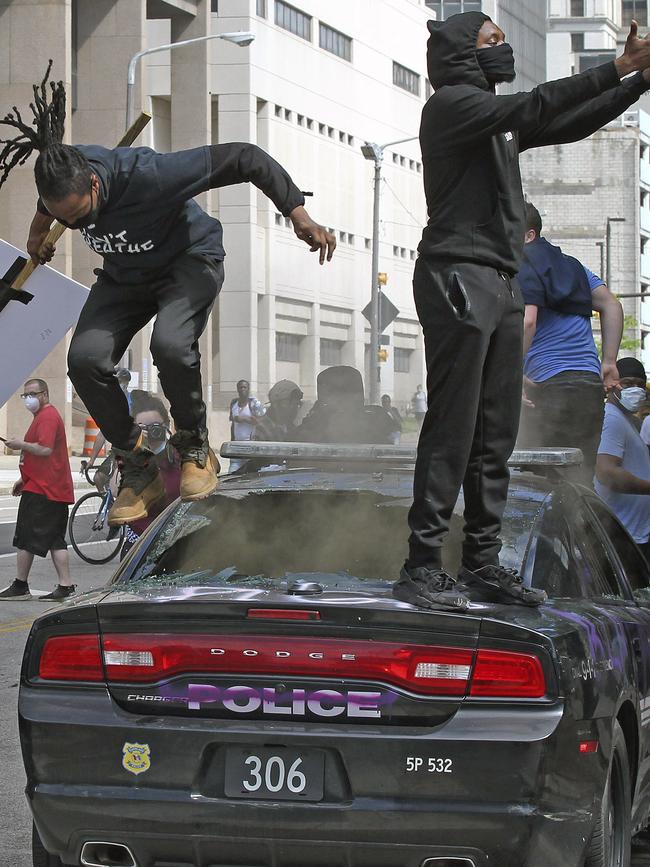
<point x="49" y="476"/>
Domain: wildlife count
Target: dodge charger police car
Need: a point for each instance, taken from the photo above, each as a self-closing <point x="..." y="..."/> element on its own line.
<point x="246" y="691"/>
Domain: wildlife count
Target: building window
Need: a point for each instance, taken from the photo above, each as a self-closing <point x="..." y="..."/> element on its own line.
<point x="577" y="8"/>
<point x="577" y="42"/>
<point x="637" y="9"/>
<point x="402" y="360"/>
<point x="287" y="347"/>
<point x="331" y="351"/>
<point x="261" y="8"/>
<point x="406" y="78"/>
<point x="589" y="59"/>
<point x="446" y="8"/>
<point x="335" y="42"/>
<point x="293" y="20"/>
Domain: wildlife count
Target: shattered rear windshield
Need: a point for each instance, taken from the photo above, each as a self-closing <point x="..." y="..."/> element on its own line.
<point x="343" y="540"/>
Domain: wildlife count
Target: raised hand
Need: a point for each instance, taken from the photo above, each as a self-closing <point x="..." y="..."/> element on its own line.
<point x="317" y="237"/>
<point x="636" y="54"/>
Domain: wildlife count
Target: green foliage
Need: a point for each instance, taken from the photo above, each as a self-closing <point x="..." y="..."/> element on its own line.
<point x="629" y="343"/>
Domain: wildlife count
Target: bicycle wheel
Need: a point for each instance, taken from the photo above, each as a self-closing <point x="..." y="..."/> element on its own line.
<point x="90" y="535"/>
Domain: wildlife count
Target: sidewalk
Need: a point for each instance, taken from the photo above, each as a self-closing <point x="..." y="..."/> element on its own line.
<point x="9" y="473"/>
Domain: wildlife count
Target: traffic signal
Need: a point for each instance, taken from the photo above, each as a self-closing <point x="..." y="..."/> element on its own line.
<point x="382" y="354"/>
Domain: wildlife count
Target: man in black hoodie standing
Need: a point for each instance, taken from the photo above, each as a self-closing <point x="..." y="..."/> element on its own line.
<point x="467" y="300"/>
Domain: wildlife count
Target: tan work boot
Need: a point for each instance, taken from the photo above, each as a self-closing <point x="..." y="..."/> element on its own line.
<point x="199" y="464"/>
<point x="141" y="485"/>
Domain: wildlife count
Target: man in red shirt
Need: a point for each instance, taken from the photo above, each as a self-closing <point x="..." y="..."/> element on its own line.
<point x="45" y="490"/>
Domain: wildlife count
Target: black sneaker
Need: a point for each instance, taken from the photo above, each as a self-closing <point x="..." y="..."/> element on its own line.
<point x="16" y="591"/>
<point x="500" y="585"/>
<point x="429" y="588"/>
<point x="60" y="593"/>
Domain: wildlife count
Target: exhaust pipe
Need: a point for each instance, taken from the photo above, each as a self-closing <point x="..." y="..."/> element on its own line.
<point x="97" y="853"/>
<point x="448" y="862"/>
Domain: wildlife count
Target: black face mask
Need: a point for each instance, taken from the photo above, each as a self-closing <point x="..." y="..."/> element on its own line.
<point x="498" y="63"/>
<point x="90" y="218"/>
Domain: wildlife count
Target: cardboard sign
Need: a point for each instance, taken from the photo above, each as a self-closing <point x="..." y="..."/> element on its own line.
<point x="29" y="332"/>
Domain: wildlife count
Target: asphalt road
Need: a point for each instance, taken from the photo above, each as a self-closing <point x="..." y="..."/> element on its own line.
<point x="15" y="622"/>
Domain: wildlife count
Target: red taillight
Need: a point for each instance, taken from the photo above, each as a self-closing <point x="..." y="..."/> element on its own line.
<point x="417" y="668"/>
<point x="283" y="614"/>
<point x="147" y="658"/>
<point x="71" y="657"/>
<point x="501" y="674"/>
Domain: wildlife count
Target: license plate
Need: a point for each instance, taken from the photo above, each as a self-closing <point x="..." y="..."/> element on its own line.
<point x="274" y="774"/>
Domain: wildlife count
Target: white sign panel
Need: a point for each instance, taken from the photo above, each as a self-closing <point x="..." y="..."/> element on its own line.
<point x="29" y="332"/>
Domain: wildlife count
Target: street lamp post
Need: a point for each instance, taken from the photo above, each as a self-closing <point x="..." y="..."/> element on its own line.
<point x="239" y="37"/>
<point x="608" y="238"/>
<point x="375" y="153"/>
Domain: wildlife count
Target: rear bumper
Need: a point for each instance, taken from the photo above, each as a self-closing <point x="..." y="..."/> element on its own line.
<point x="524" y="802"/>
<point x="180" y="832"/>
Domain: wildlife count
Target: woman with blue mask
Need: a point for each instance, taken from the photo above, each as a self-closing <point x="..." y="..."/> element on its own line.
<point x="152" y="418"/>
<point x="623" y="462"/>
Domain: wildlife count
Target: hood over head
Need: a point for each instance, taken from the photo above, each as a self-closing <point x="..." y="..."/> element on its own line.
<point x="451" y="50"/>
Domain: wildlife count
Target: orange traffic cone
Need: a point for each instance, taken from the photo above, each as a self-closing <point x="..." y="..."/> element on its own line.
<point x="91" y="432"/>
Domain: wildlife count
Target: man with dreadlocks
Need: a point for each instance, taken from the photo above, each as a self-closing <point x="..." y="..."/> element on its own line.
<point x="162" y="257"/>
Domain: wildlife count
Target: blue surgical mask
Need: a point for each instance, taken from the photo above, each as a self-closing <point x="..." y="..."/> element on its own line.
<point x="632" y="398"/>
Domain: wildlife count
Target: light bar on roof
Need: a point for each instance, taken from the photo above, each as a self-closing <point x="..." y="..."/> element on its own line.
<point x="324" y="452"/>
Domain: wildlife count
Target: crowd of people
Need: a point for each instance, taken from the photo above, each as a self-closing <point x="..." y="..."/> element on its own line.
<point x="339" y="414"/>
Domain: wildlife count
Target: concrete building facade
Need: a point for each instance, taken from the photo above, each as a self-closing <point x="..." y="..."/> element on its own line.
<point x="584" y="33"/>
<point x="318" y="81"/>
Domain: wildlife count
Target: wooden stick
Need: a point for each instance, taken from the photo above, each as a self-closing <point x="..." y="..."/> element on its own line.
<point x="58" y="228"/>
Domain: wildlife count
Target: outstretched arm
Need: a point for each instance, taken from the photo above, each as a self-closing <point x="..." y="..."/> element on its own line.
<point x="460" y="116"/>
<point x="580" y="122"/>
<point x="239" y="162"/>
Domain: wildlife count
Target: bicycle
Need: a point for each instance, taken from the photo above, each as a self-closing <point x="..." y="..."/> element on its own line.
<point x="90" y="534"/>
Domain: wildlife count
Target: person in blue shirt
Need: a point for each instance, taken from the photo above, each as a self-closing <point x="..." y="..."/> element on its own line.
<point x="564" y="379"/>
<point x="623" y="464"/>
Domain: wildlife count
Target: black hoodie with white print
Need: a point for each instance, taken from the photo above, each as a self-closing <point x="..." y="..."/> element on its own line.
<point x="471" y="140"/>
<point x="147" y="213"/>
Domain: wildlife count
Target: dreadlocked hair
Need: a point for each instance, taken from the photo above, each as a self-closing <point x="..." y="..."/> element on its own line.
<point x="60" y="169"/>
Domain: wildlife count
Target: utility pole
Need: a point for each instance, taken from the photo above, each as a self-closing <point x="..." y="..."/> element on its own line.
<point x="375" y="153"/>
<point x="375" y="364"/>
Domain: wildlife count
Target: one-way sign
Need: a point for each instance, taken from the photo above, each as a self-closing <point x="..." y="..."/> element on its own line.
<point x="387" y="312"/>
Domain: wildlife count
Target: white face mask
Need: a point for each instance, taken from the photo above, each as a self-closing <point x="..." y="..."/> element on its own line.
<point x="157" y="449"/>
<point x="32" y="403"/>
<point x="632" y="398"/>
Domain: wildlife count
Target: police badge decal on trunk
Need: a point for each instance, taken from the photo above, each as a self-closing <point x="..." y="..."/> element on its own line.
<point x="135" y="758"/>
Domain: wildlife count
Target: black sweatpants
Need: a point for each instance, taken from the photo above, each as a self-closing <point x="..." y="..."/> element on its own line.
<point x="472" y="318"/>
<point x="568" y="412"/>
<point x="181" y="299"/>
